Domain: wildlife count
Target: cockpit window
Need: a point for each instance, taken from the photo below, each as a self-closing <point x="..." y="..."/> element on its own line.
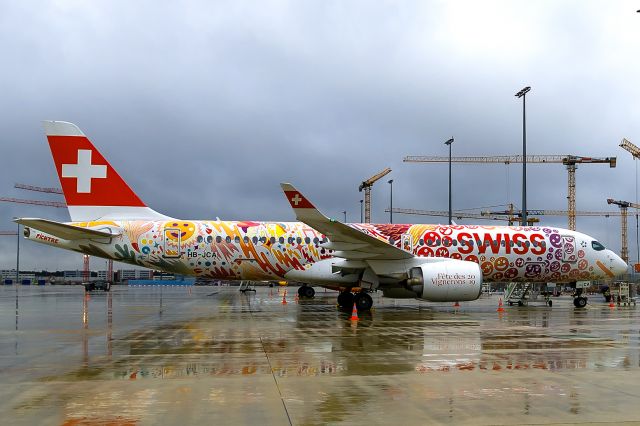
<point x="597" y="246"/>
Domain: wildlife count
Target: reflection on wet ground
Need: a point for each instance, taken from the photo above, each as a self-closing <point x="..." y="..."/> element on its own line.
<point x="213" y="355"/>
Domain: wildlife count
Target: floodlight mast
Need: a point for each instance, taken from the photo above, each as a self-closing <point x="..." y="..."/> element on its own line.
<point x="522" y="94"/>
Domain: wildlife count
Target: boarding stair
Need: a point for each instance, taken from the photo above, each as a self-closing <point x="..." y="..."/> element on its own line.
<point x="518" y="293"/>
<point x="246" y="286"/>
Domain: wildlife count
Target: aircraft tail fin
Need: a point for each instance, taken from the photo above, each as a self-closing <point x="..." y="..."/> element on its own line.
<point x="92" y="188"/>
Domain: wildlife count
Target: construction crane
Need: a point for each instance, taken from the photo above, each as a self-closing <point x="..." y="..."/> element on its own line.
<point x="624" y="206"/>
<point x="631" y="148"/>
<point x="518" y="213"/>
<point x="366" y="185"/>
<point x="57" y="204"/>
<point x="635" y="153"/>
<point x="571" y="161"/>
<point x="461" y="215"/>
<point x="38" y="188"/>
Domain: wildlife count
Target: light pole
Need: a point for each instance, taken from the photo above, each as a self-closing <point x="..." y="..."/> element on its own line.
<point x="18" y="257"/>
<point x="361" y="211"/>
<point x="391" y="201"/>
<point x="345" y="215"/>
<point x="449" y="142"/>
<point x="522" y="94"/>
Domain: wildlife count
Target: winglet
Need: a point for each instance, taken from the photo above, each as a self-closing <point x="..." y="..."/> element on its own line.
<point x="302" y="207"/>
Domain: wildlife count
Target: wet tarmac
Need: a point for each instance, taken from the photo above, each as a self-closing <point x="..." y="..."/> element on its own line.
<point x="209" y="355"/>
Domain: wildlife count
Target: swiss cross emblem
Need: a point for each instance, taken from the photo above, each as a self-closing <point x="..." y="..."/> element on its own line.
<point x="296" y="200"/>
<point x="84" y="171"/>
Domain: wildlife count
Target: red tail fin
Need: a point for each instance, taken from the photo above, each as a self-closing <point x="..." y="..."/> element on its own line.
<point x="92" y="188"/>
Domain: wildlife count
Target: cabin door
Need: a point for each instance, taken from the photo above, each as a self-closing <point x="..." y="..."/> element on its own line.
<point x="407" y="243"/>
<point x="569" y="252"/>
<point x="171" y="237"/>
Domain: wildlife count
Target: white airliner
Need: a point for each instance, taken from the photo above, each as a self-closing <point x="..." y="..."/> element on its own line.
<point x="431" y="262"/>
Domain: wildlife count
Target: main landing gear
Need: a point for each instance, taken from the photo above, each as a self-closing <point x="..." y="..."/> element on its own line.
<point x="362" y="300"/>
<point x="306" y="292"/>
<point x="579" y="301"/>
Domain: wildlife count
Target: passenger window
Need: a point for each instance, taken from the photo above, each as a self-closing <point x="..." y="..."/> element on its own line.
<point x="228" y="239"/>
<point x="200" y="239"/>
<point x="246" y="239"/>
<point x="237" y="239"/>
<point x="421" y="241"/>
<point x="298" y="240"/>
<point x="307" y="240"/>
<point x="273" y="240"/>
<point x="255" y="240"/>
<point x="218" y="239"/>
<point x="281" y="240"/>
<point x="503" y="243"/>
<point x="597" y="246"/>
<point x="315" y="240"/>
<point x="209" y="239"/>
<point x="429" y="242"/>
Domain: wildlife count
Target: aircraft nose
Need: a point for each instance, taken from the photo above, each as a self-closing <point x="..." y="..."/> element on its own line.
<point x="618" y="265"/>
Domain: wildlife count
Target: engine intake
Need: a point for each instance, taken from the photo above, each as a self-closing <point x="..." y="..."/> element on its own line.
<point x="447" y="281"/>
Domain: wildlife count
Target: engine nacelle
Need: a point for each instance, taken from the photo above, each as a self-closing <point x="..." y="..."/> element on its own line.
<point x="451" y="280"/>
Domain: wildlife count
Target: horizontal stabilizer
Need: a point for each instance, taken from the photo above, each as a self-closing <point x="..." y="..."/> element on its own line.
<point x="63" y="230"/>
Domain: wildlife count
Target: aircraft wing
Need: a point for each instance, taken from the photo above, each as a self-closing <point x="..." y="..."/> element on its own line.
<point x="63" y="230"/>
<point x="347" y="242"/>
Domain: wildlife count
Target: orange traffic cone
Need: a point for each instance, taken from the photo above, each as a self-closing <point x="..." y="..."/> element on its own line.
<point x="297" y="298"/>
<point x="456" y="305"/>
<point x="284" y="297"/>
<point x="611" y="304"/>
<point x="500" y="308"/>
<point x="354" y="314"/>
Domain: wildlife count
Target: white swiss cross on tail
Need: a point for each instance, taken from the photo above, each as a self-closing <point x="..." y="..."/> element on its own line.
<point x="296" y="200"/>
<point x="84" y="171"/>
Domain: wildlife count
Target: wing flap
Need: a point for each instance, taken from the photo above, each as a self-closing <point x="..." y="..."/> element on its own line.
<point x="63" y="230"/>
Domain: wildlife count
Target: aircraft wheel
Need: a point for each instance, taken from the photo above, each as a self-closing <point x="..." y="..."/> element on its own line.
<point x="363" y="301"/>
<point x="306" y="291"/>
<point x="520" y="303"/>
<point x="345" y="299"/>
<point x="550" y="303"/>
<point x="580" y="302"/>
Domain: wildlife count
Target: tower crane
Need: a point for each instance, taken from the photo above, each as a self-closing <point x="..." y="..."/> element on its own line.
<point x="631" y="148"/>
<point x="366" y="185"/>
<point x="58" y="204"/>
<point x="38" y="188"/>
<point x="635" y="153"/>
<point x="624" y="206"/>
<point x="571" y="161"/>
<point x="462" y="215"/>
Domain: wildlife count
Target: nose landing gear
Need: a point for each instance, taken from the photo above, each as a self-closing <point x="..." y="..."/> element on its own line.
<point x="579" y="301"/>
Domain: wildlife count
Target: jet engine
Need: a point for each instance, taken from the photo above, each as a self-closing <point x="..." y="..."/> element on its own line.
<point x="451" y="280"/>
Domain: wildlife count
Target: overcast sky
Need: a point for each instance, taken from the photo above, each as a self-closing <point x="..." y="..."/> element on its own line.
<point x="204" y="107"/>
